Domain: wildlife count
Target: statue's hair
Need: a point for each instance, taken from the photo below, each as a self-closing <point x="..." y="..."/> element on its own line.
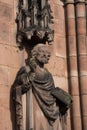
<point x="36" y="49"/>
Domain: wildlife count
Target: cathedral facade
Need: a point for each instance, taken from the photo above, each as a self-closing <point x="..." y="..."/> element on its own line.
<point x="68" y="63"/>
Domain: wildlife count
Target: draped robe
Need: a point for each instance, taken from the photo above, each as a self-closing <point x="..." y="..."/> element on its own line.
<point x="45" y="110"/>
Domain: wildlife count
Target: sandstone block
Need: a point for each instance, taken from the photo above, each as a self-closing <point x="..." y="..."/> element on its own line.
<point x="71" y="27"/>
<point x="70" y="11"/>
<point x="84" y="104"/>
<point x="81" y="26"/>
<point x="83" y="64"/>
<point x="76" y="106"/>
<point x="59" y="67"/>
<point x="5" y="12"/>
<point x="68" y="124"/>
<point x="56" y="2"/>
<point x="12" y="75"/>
<point x="82" y="44"/>
<point x="71" y="46"/>
<point x="9" y="2"/>
<point x="5" y="55"/>
<point x="60" y="46"/>
<point x="76" y="123"/>
<point x="85" y="122"/>
<point x="58" y="12"/>
<point x="5" y="120"/>
<point x="80" y="10"/>
<point x="17" y="58"/>
<point x="73" y="66"/>
<point x="4" y="75"/>
<point x="74" y="86"/>
<point x="4" y="32"/>
<point x="83" y="84"/>
<point x="59" y="27"/>
<point x="61" y="82"/>
<point x="10" y="56"/>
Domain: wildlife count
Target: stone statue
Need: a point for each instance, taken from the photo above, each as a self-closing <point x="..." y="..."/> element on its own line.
<point x="35" y="81"/>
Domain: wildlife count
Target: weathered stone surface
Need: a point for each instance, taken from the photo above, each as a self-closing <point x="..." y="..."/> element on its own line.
<point x="56" y="2"/>
<point x="73" y="66"/>
<point x="70" y="11"/>
<point x="76" y="123"/>
<point x="76" y="106"/>
<point x="83" y="64"/>
<point x="57" y="9"/>
<point x="5" y="121"/>
<point x="84" y="104"/>
<point x="82" y="46"/>
<point x="74" y="86"/>
<point x="13" y="32"/>
<point x="68" y="124"/>
<point x="5" y="97"/>
<point x="10" y="2"/>
<point x="71" y="30"/>
<point x="59" y="27"/>
<point x="72" y="50"/>
<point x="83" y="84"/>
<point x="81" y="26"/>
<point x="82" y="58"/>
<point x="4" y="75"/>
<point x="61" y="82"/>
<point x="10" y="56"/>
<point x="4" y="101"/>
<point x="80" y="10"/>
<point x="5" y="55"/>
<point x="58" y="66"/>
<point x="17" y="57"/>
<point x="85" y="122"/>
<point x="4" y="32"/>
<point x="60" y="46"/>
<point x="5" y="12"/>
<point x="12" y="75"/>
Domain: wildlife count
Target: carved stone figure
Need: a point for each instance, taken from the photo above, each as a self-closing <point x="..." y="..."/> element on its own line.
<point x="39" y="110"/>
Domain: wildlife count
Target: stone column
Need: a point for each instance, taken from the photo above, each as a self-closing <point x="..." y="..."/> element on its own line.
<point x="82" y="57"/>
<point x="86" y="16"/>
<point x="72" y="63"/>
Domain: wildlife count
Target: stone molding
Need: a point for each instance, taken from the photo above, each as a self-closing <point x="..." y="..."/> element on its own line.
<point x="73" y="1"/>
<point x="80" y="1"/>
<point x="68" y="2"/>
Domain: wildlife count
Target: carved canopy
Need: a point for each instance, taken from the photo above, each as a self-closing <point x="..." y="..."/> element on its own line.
<point x="34" y="20"/>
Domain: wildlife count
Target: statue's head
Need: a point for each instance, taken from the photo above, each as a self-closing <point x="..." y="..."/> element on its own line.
<point x="41" y="53"/>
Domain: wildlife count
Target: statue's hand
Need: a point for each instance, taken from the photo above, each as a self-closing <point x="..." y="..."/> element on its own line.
<point x="24" y="79"/>
<point x="26" y="85"/>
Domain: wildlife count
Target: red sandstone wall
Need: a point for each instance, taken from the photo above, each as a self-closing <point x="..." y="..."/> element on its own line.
<point x="11" y="58"/>
<point x="58" y="65"/>
<point x="58" y="62"/>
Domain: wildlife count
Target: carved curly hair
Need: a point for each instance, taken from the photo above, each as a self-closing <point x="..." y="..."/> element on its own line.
<point x="39" y="48"/>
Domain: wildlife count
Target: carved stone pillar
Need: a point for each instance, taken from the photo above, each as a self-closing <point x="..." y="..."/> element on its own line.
<point x="72" y="63"/>
<point x="82" y="56"/>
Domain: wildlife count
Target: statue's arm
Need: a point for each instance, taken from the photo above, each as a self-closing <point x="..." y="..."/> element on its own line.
<point x="22" y="79"/>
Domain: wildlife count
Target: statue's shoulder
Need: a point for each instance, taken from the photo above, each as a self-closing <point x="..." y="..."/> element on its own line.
<point x="23" y="69"/>
<point x="48" y="71"/>
<point x="49" y="74"/>
<point x="20" y="74"/>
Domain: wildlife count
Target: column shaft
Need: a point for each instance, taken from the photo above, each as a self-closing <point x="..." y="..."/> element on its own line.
<point x="82" y="57"/>
<point x="72" y="64"/>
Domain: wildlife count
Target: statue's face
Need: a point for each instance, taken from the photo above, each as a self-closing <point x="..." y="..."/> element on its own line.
<point x="43" y="55"/>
